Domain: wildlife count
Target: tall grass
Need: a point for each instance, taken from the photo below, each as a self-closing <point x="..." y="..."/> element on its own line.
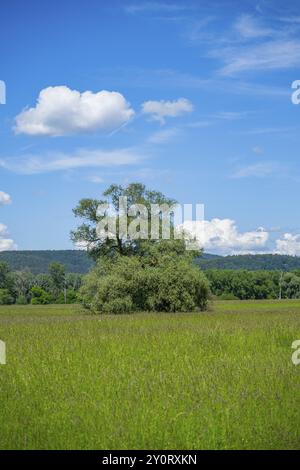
<point x="217" y="380"/>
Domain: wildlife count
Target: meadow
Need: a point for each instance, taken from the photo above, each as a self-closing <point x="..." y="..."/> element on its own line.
<point x="223" y="379"/>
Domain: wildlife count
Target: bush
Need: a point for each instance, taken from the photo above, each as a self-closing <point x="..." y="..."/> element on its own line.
<point x="71" y="297"/>
<point x="5" y="297"/>
<point x="127" y="284"/>
<point x="21" y="300"/>
<point x="40" y="296"/>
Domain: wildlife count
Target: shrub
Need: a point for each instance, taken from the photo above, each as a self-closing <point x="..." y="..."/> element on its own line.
<point x="40" y="296"/>
<point x="71" y="297"/>
<point x="21" y="300"/>
<point x="129" y="284"/>
<point x="5" y="297"/>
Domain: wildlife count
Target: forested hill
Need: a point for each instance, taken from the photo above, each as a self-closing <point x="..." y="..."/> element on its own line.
<point x="250" y="262"/>
<point x="77" y="261"/>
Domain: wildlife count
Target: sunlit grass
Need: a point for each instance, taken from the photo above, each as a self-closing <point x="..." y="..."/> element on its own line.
<point x="217" y="380"/>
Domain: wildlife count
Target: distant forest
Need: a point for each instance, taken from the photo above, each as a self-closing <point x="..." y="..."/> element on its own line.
<point x="78" y="261"/>
<point x="250" y="262"/>
<point x="37" y="262"/>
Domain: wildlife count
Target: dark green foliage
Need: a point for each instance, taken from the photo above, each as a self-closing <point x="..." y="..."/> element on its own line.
<point x="23" y="281"/>
<point x="6" y="279"/>
<point x="37" y="262"/>
<point x="5" y="297"/>
<point x="22" y="287"/>
<point x="250" y="262"/>
<point x="57" y="275"/>
<point x="78" y="261"/>
<point x="291" y="286"/>
<point x="21" y="300"/>
<point x="71" y="297"/>
<point x="4" y="275"/>
<point x="244" y="284"/>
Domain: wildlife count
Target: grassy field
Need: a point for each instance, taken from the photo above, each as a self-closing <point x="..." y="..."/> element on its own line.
<point x="217" y="380"/>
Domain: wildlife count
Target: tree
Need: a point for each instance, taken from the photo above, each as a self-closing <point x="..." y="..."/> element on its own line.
<point x="73" y="281"/>
<point x="57" y="275"/>
<point x="86" y="234"/>
<point x="4" y="272"/>
<point x="243" y="284"/>
<point x="5" y="297"/>
<point x="23" y="281"/>
<point x="6" y="280"/>
<point x="44" y="281"/>
<point x="291" y="286"/>
<point x="158" y="280"/>
<point x="140" y="272"/>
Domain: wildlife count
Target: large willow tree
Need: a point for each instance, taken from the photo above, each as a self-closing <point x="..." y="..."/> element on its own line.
<point x="88" y="210"/>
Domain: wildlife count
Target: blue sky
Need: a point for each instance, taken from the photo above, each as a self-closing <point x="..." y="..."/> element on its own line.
<point x="191" y="98"/>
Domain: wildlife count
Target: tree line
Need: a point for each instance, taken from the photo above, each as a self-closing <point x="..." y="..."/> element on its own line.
<point x="112" y="284"/>
<point x="268" y="262"/>
<point x="24" y="287"/>
<point x="257" y="285"/>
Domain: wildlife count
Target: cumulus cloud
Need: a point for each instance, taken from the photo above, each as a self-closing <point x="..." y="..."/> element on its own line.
<point x="288" y="245"/>
<point x="4" y="198"/>
<point x="222" y="236"/>
<point x="159" y="110"/>
<point x="84" y="158"/>
<point x="6" y="243"/>
<point x="61" y="111"/>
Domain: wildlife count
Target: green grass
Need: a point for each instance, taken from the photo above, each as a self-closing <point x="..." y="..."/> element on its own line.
<point x="217" y="380"/>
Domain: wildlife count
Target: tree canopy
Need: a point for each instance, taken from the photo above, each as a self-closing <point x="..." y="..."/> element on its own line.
<point x="135" y="194"/>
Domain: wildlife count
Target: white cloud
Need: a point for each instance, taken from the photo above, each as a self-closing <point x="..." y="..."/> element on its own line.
<point x="271" y="55"/>
<point x="272" y="130"/>
<point x="4" y="198"/>
<point x="95" y="179"/>
<point x="222" y="236"/>
<point x="249" y="27"/>
<point x="154" y="7"/>
<point x="62" y="111"/>
<point x="259" y="170"/>
<point x="159" y="110"/>
<point x="230" y="115"/>
<point x="164" y="136"/>
<point x="288" y="245"/>
<point x="83" y="158"/>
<point x="6" y="243"/>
